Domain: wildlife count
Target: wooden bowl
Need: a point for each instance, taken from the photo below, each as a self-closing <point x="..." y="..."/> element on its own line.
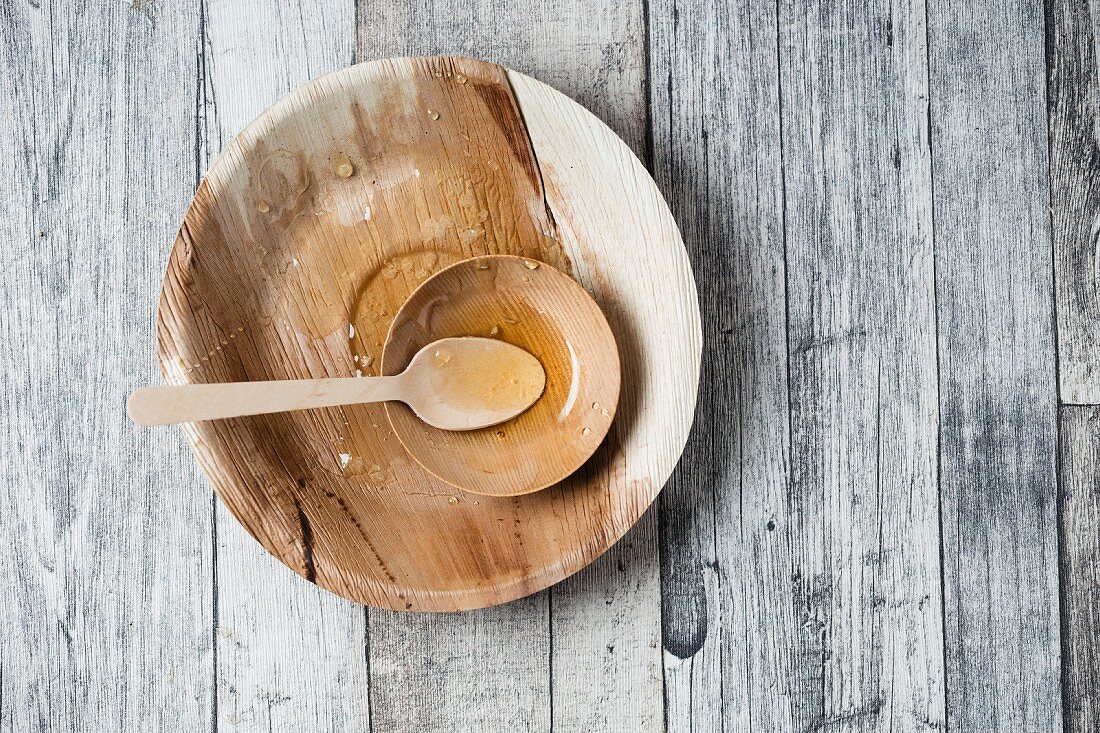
<point x="533" y="306"/>
<point x="313" y="227"/>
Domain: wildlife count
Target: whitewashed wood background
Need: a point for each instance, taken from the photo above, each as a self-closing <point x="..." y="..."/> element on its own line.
<point x="887" y="518"/>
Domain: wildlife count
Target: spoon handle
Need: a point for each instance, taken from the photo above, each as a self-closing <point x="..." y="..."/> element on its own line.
<point x="193" y="402"/>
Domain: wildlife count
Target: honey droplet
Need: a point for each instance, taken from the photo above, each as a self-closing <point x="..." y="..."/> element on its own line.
<point x="531" y="264"/>
<point x="433" y="114"/>
<point x="469" y="235"/>
<point x="263" y="207"/>
<point x="453" y="500"/>
<point x="367" y="361"/>
<point x="377" y="474"/>
<point x="345" y="169"/>
<point x="595" y="405"/>
<point x="460" y="78"/>
<point x="351" y="465"/>
<point x="483" y="265"/>
<point x="494" y="331"/>
<point x="500" y="433"/>
<point x="586" y="431"/>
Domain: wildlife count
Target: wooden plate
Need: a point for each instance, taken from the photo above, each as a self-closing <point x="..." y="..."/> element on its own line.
<point x="311" y="229"/>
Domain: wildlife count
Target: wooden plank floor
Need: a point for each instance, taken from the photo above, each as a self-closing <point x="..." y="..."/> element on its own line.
<point x="887" y="517"/>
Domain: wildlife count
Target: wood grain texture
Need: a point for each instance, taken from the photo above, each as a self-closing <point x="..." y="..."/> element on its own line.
<point x="288" y="657"/>
<point x="862" y="357"/>
<point x="595" y="53"/>
<point x="426" y="669"/>
<point x="729" y="622"/>
<point x="1073" y="96"/>
<point x="996" y="363"/>
<point x="1079" y="513"/>
<point x="825" y="609"/>
<point x="1073" y="113"/>
<point x="106" y="566"/>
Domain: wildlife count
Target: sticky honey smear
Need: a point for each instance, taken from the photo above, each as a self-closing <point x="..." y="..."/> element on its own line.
<point x="480" y="378"/>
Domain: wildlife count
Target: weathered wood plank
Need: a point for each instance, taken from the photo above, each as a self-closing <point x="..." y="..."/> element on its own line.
<point x="864" y="527"/>
<point x="106" y="553"/>
<point x="599" y="645"/>
<point x="1073" y="94"/>
<point x="728" y="620"/>
<point x="427" y="673"/>
<point x="996" y="363"/>
<point x="826" y="611"/>
<point x="606" y="640"/>
<point x="594" y="52"/>
<point x="1073" y="91"/>
<point x="1080" y="566"/>
<point x="289" y="656"/>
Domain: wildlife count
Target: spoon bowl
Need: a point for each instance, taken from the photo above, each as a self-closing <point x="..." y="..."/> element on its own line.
<point x="470" y="383"/>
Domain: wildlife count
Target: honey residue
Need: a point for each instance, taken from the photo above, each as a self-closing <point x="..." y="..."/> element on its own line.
<point x="351" y="465"/>
<point x="483" y="376"/>
<point x="470" y="235"/>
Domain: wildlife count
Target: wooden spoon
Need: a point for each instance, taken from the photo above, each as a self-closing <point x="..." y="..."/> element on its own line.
<point x="453" y="384"/>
